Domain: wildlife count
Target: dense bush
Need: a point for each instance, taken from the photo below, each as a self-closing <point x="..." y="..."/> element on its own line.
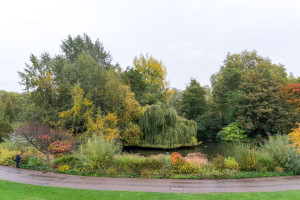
<point x="283" y="153"/>
<point x="71" y="160"/>
<point x="177" y="161"/>
<point x="186" y="168"/>
<point x="134" y="163"/>
<point x="232" y="132"/>
<point x="7" y="157"/>
<point x="132" y="134"/>
<point x="230" y="163"/>
<point x="64" y="168"/>
<point x="131" y="163"/>
<point x="218" y="162"/>
<point x="265" y="162"/>
<point x="182" y="166"/>
<point x="246" y="154"/>
<point x="35" y="162"/>
<point x="98" y="153"/>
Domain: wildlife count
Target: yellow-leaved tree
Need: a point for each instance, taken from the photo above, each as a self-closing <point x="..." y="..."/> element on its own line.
<point x="121" y="100"/>
<point x="105" y="126"/>
<point x="295" y="137"/>
<point x="154" y="73"/>
<point x="76" y="117"/>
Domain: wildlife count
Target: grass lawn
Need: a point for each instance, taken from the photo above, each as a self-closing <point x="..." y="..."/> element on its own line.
<point x="12" y="191"/>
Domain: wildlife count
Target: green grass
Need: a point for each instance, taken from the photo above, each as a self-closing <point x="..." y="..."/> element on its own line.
<point x="12" y="191"/>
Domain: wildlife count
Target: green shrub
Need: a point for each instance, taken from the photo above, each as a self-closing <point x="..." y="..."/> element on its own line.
<point x="232" y="132"/>
<point x="97" y="153"/>
<point x="130" y="163"/>
<point x="230" y="163"/>
<point x="152" y="163"/>
<point x="64" y="168"/>
<point x="263" y="169"/>
<point x="187" y="168"/>
<point x="112" y="171"/>
<point x="218" y="162"/>
<point x="146" y="173"/>
<point x="246" y="154"/>
<point x="35" y="162"/>
<point x="134" y="163"/>
<point x="71" y="160"/>
<point x="7" y="157"/>
<point x="278" y="169"/>
<point x="208" y="171"/>
<point x="283" y="154"/>
<point x="265" y="162"/>
<point x="132" y="134"/>
<point x="165" y="159"/>
<point x="166" y="164"/>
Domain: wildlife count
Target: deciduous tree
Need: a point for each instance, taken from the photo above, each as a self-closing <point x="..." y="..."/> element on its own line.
<point x="193" y="101"/>
<point x="45" y="139"/>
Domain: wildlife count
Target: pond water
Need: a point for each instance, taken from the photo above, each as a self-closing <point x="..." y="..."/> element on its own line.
<point x="209" y="148"/>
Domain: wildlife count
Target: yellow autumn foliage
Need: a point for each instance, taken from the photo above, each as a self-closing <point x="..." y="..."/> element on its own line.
<point x="82" y="108"/>
<point x="295" y="137"/>
<point x="155" y="74"/>
<point x="106" y="126"/>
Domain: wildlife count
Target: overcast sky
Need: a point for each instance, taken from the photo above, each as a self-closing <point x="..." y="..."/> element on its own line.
<point x="191" y="37"/>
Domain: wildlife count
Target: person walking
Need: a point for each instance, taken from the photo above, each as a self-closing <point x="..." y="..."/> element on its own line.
<point x="18" y="158"/>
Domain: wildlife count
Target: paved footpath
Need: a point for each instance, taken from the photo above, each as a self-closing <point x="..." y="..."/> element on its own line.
<point x="150" y="185"/>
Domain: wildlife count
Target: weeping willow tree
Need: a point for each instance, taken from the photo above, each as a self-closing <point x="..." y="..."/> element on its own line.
<point x="162" y="126"/>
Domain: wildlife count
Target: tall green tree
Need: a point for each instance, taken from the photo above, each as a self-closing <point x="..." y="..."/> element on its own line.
<point x="225" y="94"/>
<point x="39" y="79"/>
<point x="89" y="75"/>
<point x="154" y="74"/>
<point x="50" y="79"/>
<point x="236" y="94"/>
<point x="139" y="86"/>
<point x="5" y="126"/>
<point x="193" y="101"/>
<point x="9" y="110"/>
<point x="74" y="47"/>
<point x="262" y="108"/>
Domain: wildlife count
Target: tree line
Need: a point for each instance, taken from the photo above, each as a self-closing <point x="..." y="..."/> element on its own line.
<point x="83" y="91"/>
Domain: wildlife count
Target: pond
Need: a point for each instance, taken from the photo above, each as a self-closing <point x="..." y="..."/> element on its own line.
<point x="209" y="148"/>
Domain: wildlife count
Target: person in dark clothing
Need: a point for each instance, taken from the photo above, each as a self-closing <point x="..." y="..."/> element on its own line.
<point x="18" y="158"/>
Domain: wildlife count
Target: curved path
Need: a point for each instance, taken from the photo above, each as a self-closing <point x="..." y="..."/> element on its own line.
<point x="150" y="185"/>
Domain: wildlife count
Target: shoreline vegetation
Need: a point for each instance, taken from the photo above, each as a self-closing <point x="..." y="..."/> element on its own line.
<point x="274" y="157"/>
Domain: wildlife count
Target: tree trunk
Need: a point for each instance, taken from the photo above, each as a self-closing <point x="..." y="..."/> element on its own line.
<point x="48" y="156"/>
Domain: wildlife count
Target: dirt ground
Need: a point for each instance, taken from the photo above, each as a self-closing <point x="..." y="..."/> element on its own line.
<point x="150" y="185"/>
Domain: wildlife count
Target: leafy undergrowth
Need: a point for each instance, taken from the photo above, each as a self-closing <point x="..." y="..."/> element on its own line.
<point x="220" y="175"/>
<point x="12" y="191"/>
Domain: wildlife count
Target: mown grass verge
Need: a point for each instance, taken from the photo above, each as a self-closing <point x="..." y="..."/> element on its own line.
<point x="12" y="191"/>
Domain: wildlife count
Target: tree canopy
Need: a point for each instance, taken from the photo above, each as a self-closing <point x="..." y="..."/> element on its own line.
<point x="83" y="91"/>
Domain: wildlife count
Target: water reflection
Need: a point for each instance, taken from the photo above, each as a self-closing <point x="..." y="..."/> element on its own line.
<point x="209" y="148"/>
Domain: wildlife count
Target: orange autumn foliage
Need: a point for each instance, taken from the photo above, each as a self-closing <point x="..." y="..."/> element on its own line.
<point x="292" y="93"/>
<point x="295" y="137"/>
<point x="177" y="159"/>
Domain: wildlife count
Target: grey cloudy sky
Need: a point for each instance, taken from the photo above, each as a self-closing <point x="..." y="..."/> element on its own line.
<point x="192" y="37"/>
